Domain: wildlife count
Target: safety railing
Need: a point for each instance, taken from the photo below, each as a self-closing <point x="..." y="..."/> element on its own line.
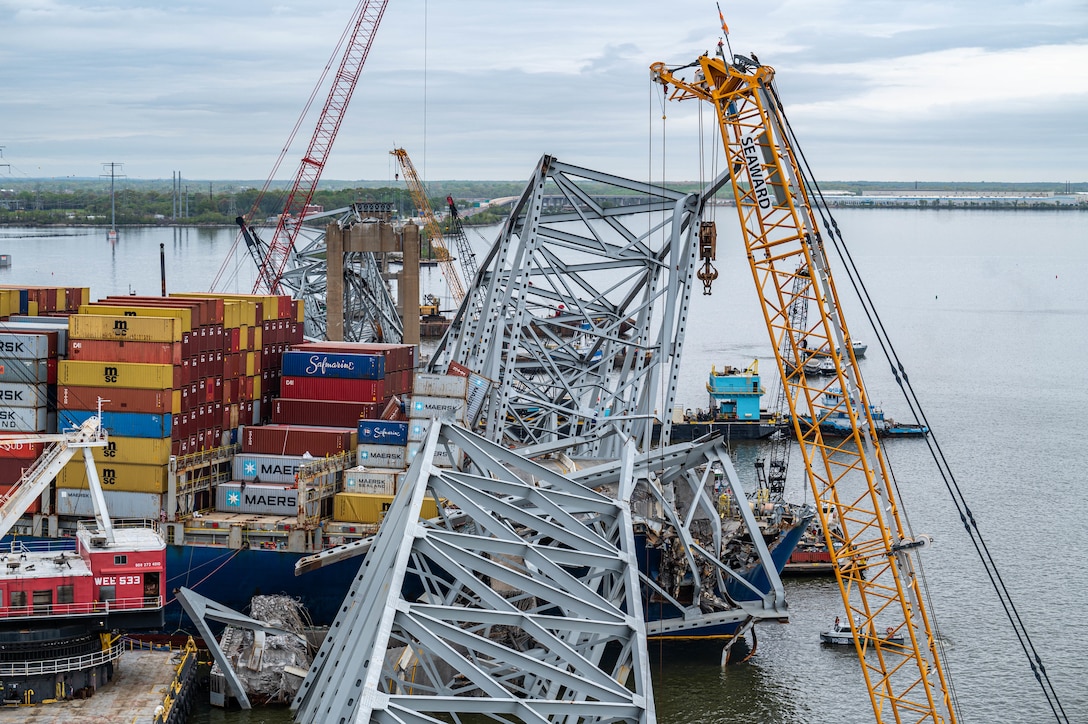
<point x="90" y="608"/>
<point x="60" y="666"/>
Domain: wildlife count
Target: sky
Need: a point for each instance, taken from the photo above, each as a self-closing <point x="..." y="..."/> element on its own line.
<point x="963" y="90"/>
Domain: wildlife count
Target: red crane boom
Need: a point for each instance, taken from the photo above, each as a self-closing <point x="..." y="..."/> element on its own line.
<point x="367" y="16"/>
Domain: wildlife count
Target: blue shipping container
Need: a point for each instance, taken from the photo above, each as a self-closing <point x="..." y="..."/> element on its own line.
<point x="328" y="364"/>
<point x="383" y="432"/>
<point x="123" y="424"/>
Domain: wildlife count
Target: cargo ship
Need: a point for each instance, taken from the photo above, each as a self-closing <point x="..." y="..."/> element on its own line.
<point x="248" y="447"/>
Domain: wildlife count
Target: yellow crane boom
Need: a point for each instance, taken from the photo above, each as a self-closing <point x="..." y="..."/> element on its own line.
<point x="434" y="231"/>
<point x="870" y="547"/>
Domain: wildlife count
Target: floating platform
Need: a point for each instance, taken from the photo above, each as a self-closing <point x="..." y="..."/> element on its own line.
<point x="143" y="682"/>
<point x="737" y="430"/>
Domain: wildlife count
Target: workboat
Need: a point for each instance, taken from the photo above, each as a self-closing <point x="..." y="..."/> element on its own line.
<point x="837" y="422"/>
<point x="733" y="409"/>
<point x="840" y="635"/>
<point x="63" y="602"/>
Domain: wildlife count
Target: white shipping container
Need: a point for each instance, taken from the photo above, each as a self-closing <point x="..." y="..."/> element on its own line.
<point x="22" y="394"/>
<point x="269" y="468"/>
<point x="387" y="457"/>
<point x="445" y="456"/>
<point x="440" y="385"/>
<point x="447" y="409"/>
<point x="15" y="345"/>
<point x="120" y="504"/>
<point x="417" y="430"/>
<point x="367" y="480"/>
<point x="24" y="370"/>
<point x="241" y="497"/>
<point x="478" y="389"/>
<point x="26" y="419"/>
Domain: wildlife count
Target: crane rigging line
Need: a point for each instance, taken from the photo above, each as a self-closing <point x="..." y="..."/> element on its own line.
<point x="282" y="197"/>
<point x="944" y="469"/>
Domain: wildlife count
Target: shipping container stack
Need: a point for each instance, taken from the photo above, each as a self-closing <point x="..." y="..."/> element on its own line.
<point x="356" y="385"/>
<point x="28" y="394"/>
<point x="181" y="375"/>
<point x="30" y="346"/>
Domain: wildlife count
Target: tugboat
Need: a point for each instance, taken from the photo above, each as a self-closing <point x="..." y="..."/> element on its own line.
<point x="734" y="408"/>
<point x="62" y="600"/>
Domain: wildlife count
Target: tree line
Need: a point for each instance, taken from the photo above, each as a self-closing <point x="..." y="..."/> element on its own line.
<point x="89" y="203"/>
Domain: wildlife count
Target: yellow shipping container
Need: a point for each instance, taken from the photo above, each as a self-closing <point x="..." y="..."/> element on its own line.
<point x="134" y="451"/>
<point x="301" y="316"/>
<point x="232" y="314"/>
<point x="131" y="329"/>
<point x="32" y="308"/>
<point x="268" y="304"/>
<point x="184" y="316"/>
<point x="9" y="302"/>
<point x="128" y="478"/>
<point x="116" y="374"/>
<point x="257" y="390"/>
<point x="370" y="508"/>
<point x="251" y="364"/>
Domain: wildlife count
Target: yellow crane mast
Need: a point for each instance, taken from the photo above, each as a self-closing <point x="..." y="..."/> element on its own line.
<point x="870" y="547"/>
<point x="434" y="231"/>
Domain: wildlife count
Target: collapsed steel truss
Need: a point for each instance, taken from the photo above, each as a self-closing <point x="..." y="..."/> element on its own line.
<point x="370" y="312"/>
<point x="501" y="611"/>
<point x="579" y="315"/>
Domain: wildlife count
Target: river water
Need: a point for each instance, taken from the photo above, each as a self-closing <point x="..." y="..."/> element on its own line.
<point x="988" y="311"/>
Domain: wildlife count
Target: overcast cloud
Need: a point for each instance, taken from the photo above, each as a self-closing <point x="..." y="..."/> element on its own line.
<point x="970" y="90"/>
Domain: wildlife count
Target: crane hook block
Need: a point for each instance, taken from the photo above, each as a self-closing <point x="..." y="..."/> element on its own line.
<point x="708" y="249"/>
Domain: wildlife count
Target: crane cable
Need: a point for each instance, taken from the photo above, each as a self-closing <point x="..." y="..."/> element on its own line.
<point x="281" y="200"/>
<point x="954" y="490"/>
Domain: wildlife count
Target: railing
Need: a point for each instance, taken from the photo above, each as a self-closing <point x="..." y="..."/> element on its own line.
<point x="60" y="666"/>
<point x="175" y="702"/>
<point x="54" y="545"/>
<point x="91" y="608"/>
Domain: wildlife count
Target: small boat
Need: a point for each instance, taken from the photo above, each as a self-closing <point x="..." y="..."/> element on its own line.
<point x="858" y="347"/>
<point x="840" y="635"/>
<point x="837" y="423"/>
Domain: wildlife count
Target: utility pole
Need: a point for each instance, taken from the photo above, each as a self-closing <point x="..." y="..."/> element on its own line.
<point x="113" y="167"/>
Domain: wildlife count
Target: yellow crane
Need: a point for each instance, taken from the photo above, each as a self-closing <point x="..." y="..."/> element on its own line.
<point x="870" y="546"/>
<point x="434" y="231"/>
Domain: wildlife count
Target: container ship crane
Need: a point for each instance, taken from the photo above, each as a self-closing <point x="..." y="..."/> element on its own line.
<point x="872" y="550"/>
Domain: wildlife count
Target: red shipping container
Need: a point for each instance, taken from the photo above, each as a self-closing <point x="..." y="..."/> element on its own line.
<point x="121" y="399"/>
<point x="298" y="440"/>
<point x="332" y="388"/>
<point x="156" y="353"/>
<point x="11" y="467"/>
<point x="21" y="450"/>
<point x="322" y="412"/>
<point x="393" y="410"/>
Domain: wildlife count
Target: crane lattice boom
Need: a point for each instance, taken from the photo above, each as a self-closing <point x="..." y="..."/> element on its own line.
<point x="367" y="16"/>
<point x="434" y="231"/>
<point x="871" y="551"/>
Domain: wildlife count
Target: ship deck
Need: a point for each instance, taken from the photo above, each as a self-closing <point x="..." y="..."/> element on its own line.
<point x="139" y="684"/>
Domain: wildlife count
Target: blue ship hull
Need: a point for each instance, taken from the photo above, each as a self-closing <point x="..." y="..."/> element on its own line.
<point x="233" y="577"/>
<point x="655" y="610"/>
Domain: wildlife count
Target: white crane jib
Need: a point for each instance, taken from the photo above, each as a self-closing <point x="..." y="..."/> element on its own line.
<point x="37" y="477"/>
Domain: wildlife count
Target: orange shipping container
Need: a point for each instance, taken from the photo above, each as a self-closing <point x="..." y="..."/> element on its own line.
<point x="164" y="353"/>
<point x="120" y="399"/>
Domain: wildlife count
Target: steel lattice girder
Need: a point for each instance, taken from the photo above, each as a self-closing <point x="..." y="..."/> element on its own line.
<point x="368" y="302"/>
<point x="579" y="316"/>
<point x="509" y="608"/>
